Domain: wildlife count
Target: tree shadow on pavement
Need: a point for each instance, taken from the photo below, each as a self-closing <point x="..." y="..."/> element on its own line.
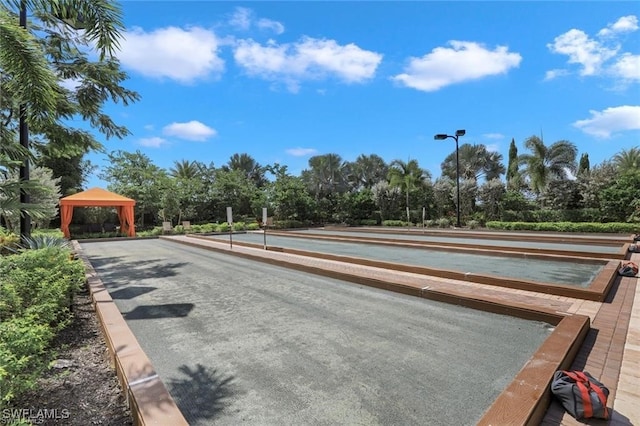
<point x="114" y="271"/>
<point x="202" y="394"/>
<point x="131" y="292"/>
<point x="169" y="310"/>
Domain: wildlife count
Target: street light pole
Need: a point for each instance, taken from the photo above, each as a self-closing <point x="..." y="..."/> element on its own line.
<point x="442" y="136"/>
<point x="25" y="219"/>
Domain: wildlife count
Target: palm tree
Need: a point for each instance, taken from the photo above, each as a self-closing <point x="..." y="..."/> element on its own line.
<point x="185" y="169"/>
<point x="407" y="176"/>
<point x="367" y="170"/>
<point x="475" y="162"/>
<point x="546" y="163"/>
<point x="248" y="166"/>
<point x="326" y="174"/>
<point x="627" y="159"/>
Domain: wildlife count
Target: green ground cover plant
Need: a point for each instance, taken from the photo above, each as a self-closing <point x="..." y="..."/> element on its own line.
<point x="36" y="292"/>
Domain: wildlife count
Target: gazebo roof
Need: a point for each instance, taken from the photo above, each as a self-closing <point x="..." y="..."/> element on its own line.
<point x="97" y="197"/>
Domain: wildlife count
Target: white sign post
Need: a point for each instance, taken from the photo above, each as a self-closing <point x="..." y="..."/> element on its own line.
<point x="423" y="216"/>
<point x="264" y="224"/>
<point x="230" y="222"/>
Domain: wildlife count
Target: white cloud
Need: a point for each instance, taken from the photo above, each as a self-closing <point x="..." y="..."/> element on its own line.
<point x="192" y="130"/>
<point x="627" y="67"/>
<point x="626" y="24"/>
<point x="244" y="18"/>
<point x="148" y="127"/>
<point x="241" y="18"/>
<point x="582" y="50"/>
<point x="611" y="120"/>
<point x="180" y="54"/>
<point x="599" y="56"/>
<point x="153" y="142"/>
<point x="463" y="61"/>
<point x="301" y="152"/>
<point x="307" y="59"/>
<point x="551" y="74"/>
<point x="493" y="136"/>
<point x="268" y="24"/>
<point x="493" y="147"/>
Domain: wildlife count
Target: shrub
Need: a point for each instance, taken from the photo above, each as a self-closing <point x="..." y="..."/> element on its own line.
<point x="473" y="224"/>
<point x="253" y="226"/>
<point x="394" y="223"/>
<point x="23" y="344"/>
<point x="36" y="290"/>
<point x="443" y="223"/>
<point x="368" y="222"/>
<point x="612" y="227"/>
<point x="8" y="241"/>
<point x="430" y="223"/>
<point x="222" y="227"/>
<point x="288" y="224"/>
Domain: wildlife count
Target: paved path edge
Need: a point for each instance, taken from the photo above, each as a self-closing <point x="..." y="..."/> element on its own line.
<point x="146" y="395"/>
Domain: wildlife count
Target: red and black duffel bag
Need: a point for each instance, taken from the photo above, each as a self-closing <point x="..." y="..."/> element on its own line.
<point x="581" y="394"/>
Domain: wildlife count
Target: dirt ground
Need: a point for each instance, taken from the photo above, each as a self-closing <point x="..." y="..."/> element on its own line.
<point x="81" y="388"/>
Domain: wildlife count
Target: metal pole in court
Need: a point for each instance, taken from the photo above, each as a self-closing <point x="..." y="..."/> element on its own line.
<point x="423" y="216"/>
<point x="264" y="224"/>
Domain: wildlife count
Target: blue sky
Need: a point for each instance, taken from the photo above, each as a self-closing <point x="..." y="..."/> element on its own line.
<point x="283" y="81"/>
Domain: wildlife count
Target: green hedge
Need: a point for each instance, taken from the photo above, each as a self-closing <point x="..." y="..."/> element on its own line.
<point x="36" y="292"/>
<point x="612" y="227"/>
<point x="395" y="223"/>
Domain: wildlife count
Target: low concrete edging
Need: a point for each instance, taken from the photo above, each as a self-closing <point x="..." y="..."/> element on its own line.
<point x="147" y="397"/>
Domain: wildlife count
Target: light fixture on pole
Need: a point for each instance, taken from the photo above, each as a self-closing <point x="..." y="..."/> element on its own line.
<point x="443" y="136"/>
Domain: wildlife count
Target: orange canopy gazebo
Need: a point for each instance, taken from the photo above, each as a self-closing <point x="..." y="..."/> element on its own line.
<point x="98" y="197"/>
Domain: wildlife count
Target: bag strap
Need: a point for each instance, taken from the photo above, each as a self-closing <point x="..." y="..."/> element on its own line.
<point x="584" y="386"/>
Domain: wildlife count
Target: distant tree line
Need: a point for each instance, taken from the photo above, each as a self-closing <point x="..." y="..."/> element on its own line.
<point x="545" y="183"/>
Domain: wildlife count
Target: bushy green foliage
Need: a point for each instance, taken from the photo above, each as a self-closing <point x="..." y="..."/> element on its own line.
<point x="443" y="223"/>
<point x="394" y="223"/>
<point x="289" y="224"/>
<point x="430" y="223"/>
<point x="612" y="227"/>
<point x="42" y="241"/>
<point x="8" y="241"/>
<point x="473" y="224"/>
<point x="253" y="226"/>
<point x="36" y="290"/>
<point x="368" y="222"/>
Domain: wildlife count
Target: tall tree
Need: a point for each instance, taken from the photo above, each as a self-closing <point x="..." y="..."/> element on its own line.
<point x="288" y="196"/>
<point x="545" y="163"/>
<point x="135" y="176"/>
<point x="326" y="174"/>
<point x="185" y="169"/>
<point x="627" y="159"/>
<point x="51" y="59"/>
<point x="584" y="166"/>
<point x="475" y="162"/>
<point x="367" y="170"/>
<point x="249" y="166"/>
<point x="407" y="176"/>
<point x="512" y="167"/>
